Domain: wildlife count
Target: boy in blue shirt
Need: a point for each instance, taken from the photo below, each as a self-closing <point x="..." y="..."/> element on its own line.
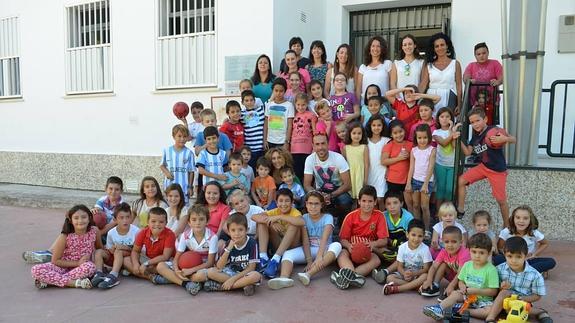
<point x="209" y="120"/>
<point x="235" y="179"/>
<point x="212" y="159"/>
<point x="178" y="163"/>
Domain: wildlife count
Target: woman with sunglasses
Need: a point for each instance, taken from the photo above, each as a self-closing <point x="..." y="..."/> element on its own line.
<point x="407" y="69"/>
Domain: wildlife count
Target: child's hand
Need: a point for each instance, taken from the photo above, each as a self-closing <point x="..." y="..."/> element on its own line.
<point x="505" y="285"/>
<point x="286" y="146"/>
<point x="187" y="273"/>
<point x="493" y="82"/>
<point x="463" y="290"/>
<point x="408" y="275"/>
<point x="181" y="275"/>
<point x="424" y="188"/>
<point x="231" y="245"/>
<point x="408" y="188"/>
<point x="424" y="286"/>
<point x="84" y="259"/>
<point x="142" y="269"/>
<point x="170" y="176"/>
<point x="277" y="227"/>
<point x="184" y="120"/>
<point x="228" y="284"/>
<point x="499" y="139"/>
<point x="435" y="244"/>
<point x="221" y="177"/>
<point x="403" y="155"/>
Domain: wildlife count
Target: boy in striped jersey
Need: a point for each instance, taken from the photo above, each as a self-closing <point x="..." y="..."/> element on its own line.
<point x="178" y="164"/>
<point x="212" y="159"/>
<point x="253" y="117"/>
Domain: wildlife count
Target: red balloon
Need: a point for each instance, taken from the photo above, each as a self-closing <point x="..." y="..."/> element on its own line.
<point x="181" y="109"/>
<point x="189" y="259"/>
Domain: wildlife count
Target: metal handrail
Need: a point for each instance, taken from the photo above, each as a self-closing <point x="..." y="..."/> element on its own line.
<point x="551" y="118"/>
<point x="459" y="156"/>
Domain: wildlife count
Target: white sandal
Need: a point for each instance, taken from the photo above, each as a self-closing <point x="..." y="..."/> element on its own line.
<point x="83" y="283"/>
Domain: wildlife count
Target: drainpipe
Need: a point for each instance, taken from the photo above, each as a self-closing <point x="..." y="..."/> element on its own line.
<point x="505" y="62"/>
<point x="533" y="140"/>
<point x="521" y="83"/>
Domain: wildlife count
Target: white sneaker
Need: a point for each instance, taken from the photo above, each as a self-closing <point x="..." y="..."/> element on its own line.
<point x="279" y="283"/>
<point x="303" y="278"/>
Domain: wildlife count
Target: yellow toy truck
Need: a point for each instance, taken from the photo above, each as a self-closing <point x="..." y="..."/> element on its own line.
<point x="517" y="310"/>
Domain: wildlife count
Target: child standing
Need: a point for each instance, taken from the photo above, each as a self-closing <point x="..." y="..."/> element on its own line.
<point x="396" y="156"/>
<point x="425" y="116"/>
<point x="150" y="196"/>
<point x="248" y="85"/>
<point x="492" y="166"/>
<point x="236" y="267"/>
<point x="341" y="132"/>
<point x="413" y="262"/>
<point x="198" y="238"/>
<point x="374" y="103"/>
<point x="407" y="109"/>
<point x="253" y="119"/>
<point x="420" y="176"/>
<point x="176" y="210"/>
<point x="446" y="136"/>
<point x="232" y="127"/>
<point x="524" y="224"/>
<point x="119" y="242"/>
<point x="195" y="127"/>
<point x="294" y="79"/>
<point x="178" y="162"/>
<point x="235" y="179"/>
<point x="446" y="215"/>
<point x="264" y="187"/>
<point x="476" y="277"/>
<point x="288" y="176"/>
<point x="377" y="106"/>
<point x="209" y="120"/>
<point x="279" y="117"/>
<point x="302" y="132"/>
<point x="343" y="104"/>
<point x="378" y="135"/>
<point x="247" y="169"/>
<point x="318" y="249"/>
<point x="326" y="125"/>
<point x="317" y="96"/>
<point x="71" y="265"/>
<point x="357" y="155"/>
<point x="212" y="159"/>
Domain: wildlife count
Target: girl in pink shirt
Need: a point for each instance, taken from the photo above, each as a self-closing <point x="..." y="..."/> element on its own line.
<point x="425" y="117"/>
<point x="303" y="128"/>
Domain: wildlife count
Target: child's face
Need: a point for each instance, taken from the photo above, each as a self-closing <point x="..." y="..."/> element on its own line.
<point x="340" y="82"/>
<point x="444" y="119"/>
<point x="180" y="139"/>
<point x="415" y="237"/>
<point x="197" y="222"/>
<point x="212" y="142"/>
<point x="481" y="55"/>
<point x="340" y="131"/>
<point x="377" y="127"/>
<point x="516" y="261"/>
<point x="209" y="121"/>
<point x="409" y="95"/>
<point x="234" y="113"/>
<point x="313" y="205"/>
<point x="371" y="91"/>
<point x="287" y="177"/>
<point x="477" y="122"/>
<point x="150" y="189"/>
<point x="373" y="106"/>
<point x="124" y="219"/>
<point x="80" y="220"/>
<point x="196" y="114"/>
<point x="422" y="139"/>
<point x="316" y="91"/>
<point x="249" y="102"/>
<point x="448" y="219"/>
<point x="324" y="113"/>
<point x="479" y="256"/>
<point x="356" y="134"/>
<point x="452" y="243"/>
<point x="284" y="204"/>
<point x="393" y="205"/>
<point x="263" y="171"/>
<point x="212" y="194"/>
<point x="245" y="86"/>
<point x="301" y="106"/>
<point x="240" y="203"/>
<point x="425" y="112"/>
<point x="174" y="197"/>
<point x="522" y="220"/>
<point x="113" y="191"/>
<point x="366" y="203"/>
<point x="294" y="82"/>
<point x="156" y="223"/>
<point x="481" y="225"/>
<point x="398" y="134"/>
<point x="235" y="166"/>
<point x="246" y="156"/>
<point x="238" y="232"/>
<point x="278" y="93"/>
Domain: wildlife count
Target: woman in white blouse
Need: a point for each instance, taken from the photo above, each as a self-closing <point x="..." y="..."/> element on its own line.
<point x="376" y="66"/>
<point x="406" y="70"/>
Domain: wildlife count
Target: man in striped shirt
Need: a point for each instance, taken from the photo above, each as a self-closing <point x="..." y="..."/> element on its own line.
<point x="178" y="163"/>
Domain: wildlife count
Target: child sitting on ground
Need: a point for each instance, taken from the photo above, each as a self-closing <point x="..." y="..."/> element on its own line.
<point x="364" y="225"/>
<point x="477" y="277"/>
<point x="287" y="174"/>
<point x="413" y="262"/>
<point x="481" y="221"/>
<point x="517" y="277"/>
<point x="447" y="217"/>
<point x="119" y="244"/>
<point x="197" y="238"/>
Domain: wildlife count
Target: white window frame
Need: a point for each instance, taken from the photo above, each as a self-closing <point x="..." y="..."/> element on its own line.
<point x="10" y="60"/>
<point x="89" y="68"/>
<point x="177" y="67"/>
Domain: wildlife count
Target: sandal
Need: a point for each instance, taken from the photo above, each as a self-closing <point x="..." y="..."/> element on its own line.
<point x="83" y="283"/>
<point x="544" y="317"/>
<point x="390" y="288"/>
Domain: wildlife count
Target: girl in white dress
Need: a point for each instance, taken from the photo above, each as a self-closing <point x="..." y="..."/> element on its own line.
<point x="378" y="135"/>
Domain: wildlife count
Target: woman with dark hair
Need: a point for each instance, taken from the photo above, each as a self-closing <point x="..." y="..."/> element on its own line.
<point x="407" y="69"/>
<point x="376" y="65"/>
<point x="344" y="63"/>
<point x="263" y="78"/>
<point x="318" y="66"/>
<point x="296" y="44"/>
<point x="442" y="75"/>
<point x="291" y="66"/>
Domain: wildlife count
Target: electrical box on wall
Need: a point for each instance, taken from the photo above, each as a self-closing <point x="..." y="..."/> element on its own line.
<point x="566" y="41"/>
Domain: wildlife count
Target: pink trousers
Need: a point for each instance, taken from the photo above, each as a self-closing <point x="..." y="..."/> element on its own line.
<point x="58" y="276"/>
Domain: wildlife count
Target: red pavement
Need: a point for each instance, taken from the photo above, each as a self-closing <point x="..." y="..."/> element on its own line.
<point x="137" y="300"/>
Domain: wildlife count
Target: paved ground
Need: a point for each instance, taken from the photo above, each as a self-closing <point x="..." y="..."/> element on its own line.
<point x="136" y="300"/>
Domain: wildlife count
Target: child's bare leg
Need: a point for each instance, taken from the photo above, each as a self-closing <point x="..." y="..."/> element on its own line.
<point x="200" y="276"/>
<point x="380" y="204"/>
<point x="217" y="275"/>
<point x="392" y="268"/>
<point x="128" y="263"/>
<point x="425" y="210"/>
<point x="291" y="239"/>
<point x="328" y="258"/>
<point x="480" y="313"/>
<point x="440" y="273"/>
<point x="263" y="237"/>
<point x="455" y="297"/>
<point x="286" y="269"/>
<point x="344" y="260"/>
<point x="164" y="270"/>
<point x="504" y="208"/>
<point x="461" y="190"/>
<point x="99" y="258"/>
<point x="404" y="286"/>
<point x="408" y="201"/>
<point x="249" y="279"/>
<point x="416" y="206"/>
<point x="497" y="305"/>
<point x="118" y="261"/>
<point x="366" y="268"/>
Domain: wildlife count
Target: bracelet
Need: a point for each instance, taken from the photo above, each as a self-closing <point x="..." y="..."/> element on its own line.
<point x="227" y="250"/>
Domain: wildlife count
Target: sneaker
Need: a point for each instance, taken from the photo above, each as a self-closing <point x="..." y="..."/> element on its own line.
<point x="279" y="283"/>
<point x="304" y="278"/>
<point x="430" y="291"/>
<point x="271" y="269"/>
<point x="158" y="279"/>
<point x="263" y="265"/>
<point x="456" y="307"/>
<point x="379" y="275"/>
<point x="338" y="280"/>
<point x="39" y="284"/>
<point x="249" y="290"/>
<point x="442" y="297"/>
<point x="37" y="257"/>
<point x="212" y="286"/>
<point x="98" y="278"/>
<point x="354" y="278"/>
<point x="109" y="282"/>
<point x="434" y="311"/>
<point x="84" y="283"/>
<point x="126" y="272"/>
<point x="460" y="215"/>
<point x="193" y="288"/>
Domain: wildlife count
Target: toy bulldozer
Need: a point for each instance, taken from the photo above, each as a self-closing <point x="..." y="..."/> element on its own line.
<point x="517" y="310"/>
<point x="462" y="315"/>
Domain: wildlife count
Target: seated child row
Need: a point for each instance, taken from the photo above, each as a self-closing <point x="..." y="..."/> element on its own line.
<point x="296" y="239"/>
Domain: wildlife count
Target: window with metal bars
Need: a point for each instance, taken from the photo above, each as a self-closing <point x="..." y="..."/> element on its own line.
<point x="9" y="58"/>
<point x="88" y="52"/>
<point x="180" y="17"/>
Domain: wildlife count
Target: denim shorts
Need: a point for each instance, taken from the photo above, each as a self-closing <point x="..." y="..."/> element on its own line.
<point x="417" y="185"/>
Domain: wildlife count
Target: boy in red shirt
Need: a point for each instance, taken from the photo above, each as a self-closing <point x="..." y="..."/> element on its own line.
<point x="159" y="242"/>
<point x="232" y="127"/>
<point x="364" y="224"/>
<point x="406" y="109"/>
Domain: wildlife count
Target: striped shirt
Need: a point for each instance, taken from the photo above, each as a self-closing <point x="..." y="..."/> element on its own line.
<point x="253" y="121"/>
<point x="212" y="162"/>
<point x="525" y="283"/>
<point x="180" y="164"/>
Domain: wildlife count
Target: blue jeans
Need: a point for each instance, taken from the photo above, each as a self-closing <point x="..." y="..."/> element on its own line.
<point x="541" y="264"/>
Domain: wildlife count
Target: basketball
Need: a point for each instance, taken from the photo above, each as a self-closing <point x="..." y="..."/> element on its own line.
<point x="189" y="259"/>
<point x="494" y="132"/>
<point x="360" y="253"/>
<point x="100" y="219"/>
<point x="181" y="110"/>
